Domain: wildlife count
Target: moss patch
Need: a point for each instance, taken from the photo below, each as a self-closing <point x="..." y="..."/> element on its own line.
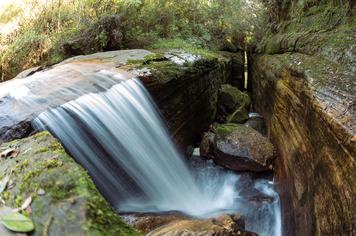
<point x="226" y="129"/>
<point x="71" y="199"/>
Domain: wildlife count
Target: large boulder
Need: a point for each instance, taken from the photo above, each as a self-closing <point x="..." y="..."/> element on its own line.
<point x="184" y="86"/>
<point x="241" y="148"/>
<point x="64" y="201"/>
<point x="232" y="104"/>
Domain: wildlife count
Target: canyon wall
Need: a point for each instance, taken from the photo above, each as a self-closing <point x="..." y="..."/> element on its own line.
<point x="304" y="83"/>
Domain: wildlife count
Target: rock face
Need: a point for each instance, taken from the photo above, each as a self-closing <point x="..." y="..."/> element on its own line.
<point x="184" y="86"/>
<point x="64" y="199"/>
<point x="241" y="148"/>
<point x="308" y="100"/>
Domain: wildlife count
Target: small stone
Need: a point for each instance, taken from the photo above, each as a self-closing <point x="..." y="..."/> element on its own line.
<point x="41" y="192"/>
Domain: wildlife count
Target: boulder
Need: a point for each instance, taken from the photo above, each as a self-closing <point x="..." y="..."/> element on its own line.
<point x="64" y="201"/>
<point x="241" y="148"/>
<point x="233" y="104"/>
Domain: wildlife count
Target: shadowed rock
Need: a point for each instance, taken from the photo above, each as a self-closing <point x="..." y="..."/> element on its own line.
<point x="232" y="104"/>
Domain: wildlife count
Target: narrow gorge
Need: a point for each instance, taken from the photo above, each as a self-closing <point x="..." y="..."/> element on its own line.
<point x="188" y="141"/>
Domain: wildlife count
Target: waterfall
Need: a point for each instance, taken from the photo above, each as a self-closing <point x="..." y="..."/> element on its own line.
<point x="119" y="137"/>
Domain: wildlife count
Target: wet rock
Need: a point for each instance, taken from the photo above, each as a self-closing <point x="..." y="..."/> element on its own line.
<point x="14" y="130"/>
<point x="207" y="145"/>
<point x="233" y="104"/>
<point x="241" y="148"/>
<point x="222" y="225"/>
<point x="64" y="199"/>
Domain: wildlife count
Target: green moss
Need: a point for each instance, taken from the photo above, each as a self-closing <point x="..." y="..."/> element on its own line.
<point x="51" y="163"/>
<point x="103" y="219"/>
<point x="30" y="175"/>
<point x="42" y="149"/>
<point x="18" y="201"/>
<point x="227" y="128"/>
<point x="233" y="103"/>
<point x="54" y="146"/>
<point x="66" y="185"/>
<point x="22" y="165"/>
<point x="273" y="44"/>
<point x="154" y="57"/>
<point x="134" y="62"/>
<point x="164" y="71"/>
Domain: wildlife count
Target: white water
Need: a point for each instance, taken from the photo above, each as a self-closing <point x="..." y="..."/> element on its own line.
<point x="119" y="137"/>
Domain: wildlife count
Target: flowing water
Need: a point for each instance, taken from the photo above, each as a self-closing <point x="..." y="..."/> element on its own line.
<point x="119" y="137"/>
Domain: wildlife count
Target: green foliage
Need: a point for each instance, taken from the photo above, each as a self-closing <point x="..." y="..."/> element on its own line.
<point x="40" y="36"/>
<point x="102" y="38"/>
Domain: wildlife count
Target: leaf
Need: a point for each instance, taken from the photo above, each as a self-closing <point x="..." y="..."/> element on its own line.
<point x="3" y="183"/>
<point x="17" y="222"/>
<point x="3" y="230"/>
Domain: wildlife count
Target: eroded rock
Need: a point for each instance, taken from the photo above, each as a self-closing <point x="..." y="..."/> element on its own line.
<point x="308" y="103"/>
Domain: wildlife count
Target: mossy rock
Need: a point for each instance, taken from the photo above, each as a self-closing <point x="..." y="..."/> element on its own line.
<point x="240" y="148"/>
<point x="71" y="204"/>
<point x="233" y="104"/>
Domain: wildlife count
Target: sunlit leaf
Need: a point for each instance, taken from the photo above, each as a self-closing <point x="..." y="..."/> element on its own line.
<point x="17" y="222"/>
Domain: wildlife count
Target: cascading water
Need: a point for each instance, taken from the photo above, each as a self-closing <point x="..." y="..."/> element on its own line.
<point x="119" y="137"/>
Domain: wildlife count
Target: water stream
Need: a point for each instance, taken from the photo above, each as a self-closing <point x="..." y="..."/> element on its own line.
<point x="119" y="137"/>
